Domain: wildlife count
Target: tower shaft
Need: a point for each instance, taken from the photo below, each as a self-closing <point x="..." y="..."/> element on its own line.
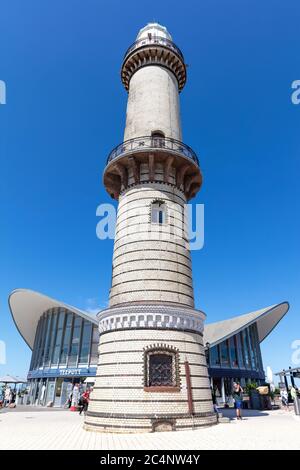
<point x="153" y="104"/>
<point x="152" y="371"/>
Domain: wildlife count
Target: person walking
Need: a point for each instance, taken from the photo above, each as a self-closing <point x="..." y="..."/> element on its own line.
<point x="284" y="399"/>
<point x="84" y="402"/>
<point x="237" y="395"/>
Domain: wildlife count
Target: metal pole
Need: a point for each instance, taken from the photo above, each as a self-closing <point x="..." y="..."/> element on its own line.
<point x="223" y="390"/>
<point x="292" y="378"/>
<point x="286" y="381"/>
<point x="189" y="387"/>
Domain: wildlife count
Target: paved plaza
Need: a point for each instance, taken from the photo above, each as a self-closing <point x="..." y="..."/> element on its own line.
<point x="40" y="428"/>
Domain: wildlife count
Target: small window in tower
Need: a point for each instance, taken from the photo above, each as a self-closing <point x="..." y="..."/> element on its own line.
<point x="157" y="134"/>
<point x="161" y="370"/>
<point x="158" y="212"/>
<point x="158" y="139"/>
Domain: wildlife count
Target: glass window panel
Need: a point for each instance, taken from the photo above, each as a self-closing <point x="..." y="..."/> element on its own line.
<point x="85" y="342"/>
<point x="240" y="351"/>
<point x="228" y="386"/>
<point x="246" y="349"/>
<point x="39" y="335"/>
<point x="75" y="341"/>
<point x="50" y="390"/>
<point x="258" y="352"/>
<point x="95" y="338"/>
<point x="48" y="339"/>
<point x="94" y="349"/>
<point x="94" y="354"/>
<point x="233" y="352"/>
<point x="41" y="341"/>
<point x="158" y="213"/>
<point x="67" y="337"/>
<point x="35" y="348"/>
<point x="58" y="339"/>
<point x="252" y="338"/>
<point x="252" y="358"/>
<point x="214" y="356"/>
<point x="46" y="334"/>
<point x="224" y="354"/>
<point x="48" y="352"/>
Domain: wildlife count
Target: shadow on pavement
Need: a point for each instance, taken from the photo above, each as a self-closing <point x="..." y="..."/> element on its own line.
<point x="246" y="414"/>
<point x="30" y="409"/>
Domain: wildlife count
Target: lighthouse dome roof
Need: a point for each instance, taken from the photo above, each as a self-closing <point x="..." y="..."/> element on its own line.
<point x="155" y="29"/>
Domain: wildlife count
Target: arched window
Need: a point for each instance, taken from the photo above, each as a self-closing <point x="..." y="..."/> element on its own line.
<point x="158" y="139"/>
<point x="161" y="368"/>
<point x="158" y="212"/>
<point x="157" y="134"/>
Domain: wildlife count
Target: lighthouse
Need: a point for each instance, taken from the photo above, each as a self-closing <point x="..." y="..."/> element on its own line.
<point x="152" y="372"/>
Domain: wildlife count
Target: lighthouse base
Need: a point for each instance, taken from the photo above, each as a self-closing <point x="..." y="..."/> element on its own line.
<point x="143" y="424"/>
<point x="151" y="378"/>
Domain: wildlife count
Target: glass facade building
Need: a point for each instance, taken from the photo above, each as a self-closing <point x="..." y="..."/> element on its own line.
<point x="65" y="352"/>
<point x="237" y="358"/>
<point x="64" y="342"/>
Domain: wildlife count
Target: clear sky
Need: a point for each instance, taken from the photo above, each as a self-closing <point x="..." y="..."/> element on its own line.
<point x="66" y="110"/>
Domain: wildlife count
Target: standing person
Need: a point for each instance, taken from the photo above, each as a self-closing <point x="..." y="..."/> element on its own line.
<point x="214" y="399"/>
<point x="284" y="399"/>
<point x="293" y="393"/>
<point x="75" y="397"/>
<point x="6" y="396"/>
<point x="84" y="401"/>
<point x="12" y="397"/>
<point x="237" y="395"/>
<point x="1" y="397"/>
<point x="69" y="400"/>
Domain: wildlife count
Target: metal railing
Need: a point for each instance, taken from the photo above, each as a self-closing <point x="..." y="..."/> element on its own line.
<point x="158" y="40"/>
<point x="138" y="144"/>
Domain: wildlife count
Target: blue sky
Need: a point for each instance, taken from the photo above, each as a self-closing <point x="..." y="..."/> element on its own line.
<point x="66" y="110"/>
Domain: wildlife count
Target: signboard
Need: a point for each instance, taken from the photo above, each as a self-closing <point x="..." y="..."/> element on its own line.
<point x="281" y="386"/>
<point x="81" y="372"/>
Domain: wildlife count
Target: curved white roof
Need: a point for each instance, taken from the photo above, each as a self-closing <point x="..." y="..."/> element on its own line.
<point x="27" y="306"/>
<point x="266" y="319"/>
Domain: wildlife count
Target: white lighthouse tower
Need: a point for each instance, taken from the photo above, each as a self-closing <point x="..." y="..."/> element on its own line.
<point x="152" y="373"/>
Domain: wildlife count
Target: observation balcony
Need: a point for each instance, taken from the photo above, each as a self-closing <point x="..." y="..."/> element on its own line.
<point x="179" y="162"/>
<point x="155" y="144"/>
<point x="153" y="50"/>
<point x="153" y="40"/>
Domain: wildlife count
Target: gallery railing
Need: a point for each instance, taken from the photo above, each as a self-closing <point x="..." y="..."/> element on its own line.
<point x="158" y="40"/>
<point x="138" y="144"/>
